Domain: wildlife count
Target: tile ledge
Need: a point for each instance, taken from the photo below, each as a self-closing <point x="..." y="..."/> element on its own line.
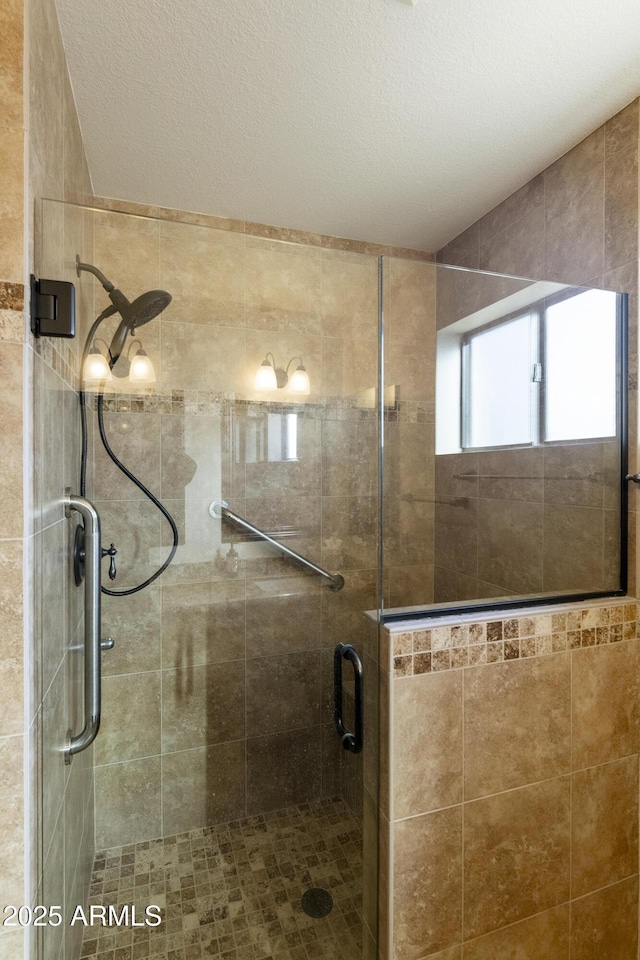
<point x="427" y="621"/>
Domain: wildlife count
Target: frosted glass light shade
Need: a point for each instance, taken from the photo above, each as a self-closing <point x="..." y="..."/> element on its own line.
<point x="95" y="367"/>
<point x="299" y="382"/>
<point x="141" y="370"/>
<point x="265" y="378"/>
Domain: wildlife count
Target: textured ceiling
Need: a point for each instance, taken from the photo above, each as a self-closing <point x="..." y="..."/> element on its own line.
<point x="368" y="119"/>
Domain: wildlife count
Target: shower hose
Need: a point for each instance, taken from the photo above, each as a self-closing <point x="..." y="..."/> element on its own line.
<point x="107" y="446"/>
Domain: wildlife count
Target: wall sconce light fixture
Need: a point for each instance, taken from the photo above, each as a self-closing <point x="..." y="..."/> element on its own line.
<point x="140" y="366"/>
<point x="98" y="366"/>
<point x="270" y="377"/>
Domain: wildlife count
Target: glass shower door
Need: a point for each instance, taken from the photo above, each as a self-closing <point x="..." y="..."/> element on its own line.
<point x="222" y="786"/>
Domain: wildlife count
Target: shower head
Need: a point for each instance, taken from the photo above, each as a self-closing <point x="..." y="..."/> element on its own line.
<point x="143" y="309"/>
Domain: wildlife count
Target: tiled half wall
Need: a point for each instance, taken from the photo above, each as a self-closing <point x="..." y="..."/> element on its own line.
<point x="509" y="786"/>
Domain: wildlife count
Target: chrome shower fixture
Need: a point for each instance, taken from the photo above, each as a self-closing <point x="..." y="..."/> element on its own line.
<point x="134" y="314"/>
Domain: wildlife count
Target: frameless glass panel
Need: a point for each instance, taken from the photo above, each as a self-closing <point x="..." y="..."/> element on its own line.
<point x="502" y="475"/>
<point x="580" y="367"/>
<point x="498" y="378"/>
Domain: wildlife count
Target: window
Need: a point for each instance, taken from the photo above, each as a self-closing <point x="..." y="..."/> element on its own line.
<point x="580" y="365"/>
<point x="544" y="375"/>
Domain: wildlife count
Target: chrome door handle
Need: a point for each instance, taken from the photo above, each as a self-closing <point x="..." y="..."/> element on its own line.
<point x="633" y="476"/>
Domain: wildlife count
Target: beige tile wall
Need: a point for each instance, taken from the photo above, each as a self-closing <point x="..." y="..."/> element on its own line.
<point x="576" y="222"/>
<point x="409" y="431"/>
<point x="510" y="788"/>
<point x="61" y="798"/>
<point x="14" y="737"/>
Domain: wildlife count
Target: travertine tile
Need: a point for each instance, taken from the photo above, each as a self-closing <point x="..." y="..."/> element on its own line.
<point x="604" y="704"/>
<point x="282" y="289"/>
<point x="604" y="825"/>
<point x="621" y="131"/>
<point x="604" y="925"/>
<point x="516" y="207"/>
<point x="283" y="769"/>
<point x="11" y="427"/>
<point x="11" y="204"/>
<point x="11" y="71"/>
<point x="283" y="693"/>
<point x="12" y="945"/>
<point x="456" y="535"/>
<point x="427" y="743"/>
<point x="286" y="623"/>
<point x="349" y="459"/>
<point x="203" y="704"/>
<point x="185" y="344"/>
<point x="12" y="826"/>
<point x="410" y="302"/>
<point x="202" y="786"/>
<point x="349" y="304"/>
<point x="202" y="623"/>
<point x="131" y="715"/>
<point x="519" y="248"/>
<point x="203" y="268"/>
<point x="453" y="953"/>
<point x="499" y="552"/>
<point x="135" y="527"/>
<point x="128" y="802"/>
<point x="574" y="213"/>
<point x="620" y="205"/>
<point x="385" y="888"/>
<point x="574" y="475"/>
<point x="348" y="367"/>
<point x="580" y="569"/>
<point x="517" y="724"/>
<point x="516" y="857"/>
<point x="349" y="529"/>
<point x="135" y="627"/>
<point x="116" y="236"/>
<point x="537" y="938"/>
<point x="135" y="438"/>
<point x="427" y="897"/>
<point x="234" y="890"/>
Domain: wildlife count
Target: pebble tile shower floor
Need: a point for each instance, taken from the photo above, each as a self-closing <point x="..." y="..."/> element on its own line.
<point x="233" y="890"/>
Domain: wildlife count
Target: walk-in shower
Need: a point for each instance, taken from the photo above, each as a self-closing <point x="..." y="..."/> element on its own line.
<point x="243" y="776"/>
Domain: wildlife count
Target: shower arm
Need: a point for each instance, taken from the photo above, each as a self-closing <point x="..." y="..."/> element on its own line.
<point x="220" y="511"/>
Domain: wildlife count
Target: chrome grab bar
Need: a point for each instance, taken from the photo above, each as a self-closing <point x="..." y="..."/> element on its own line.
<point x="350" y="741"/>
<point x="92" y="642"/>
<point x="219" y="510"/>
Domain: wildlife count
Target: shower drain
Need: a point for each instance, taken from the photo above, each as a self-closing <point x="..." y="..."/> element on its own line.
<point x="317" y="902"/>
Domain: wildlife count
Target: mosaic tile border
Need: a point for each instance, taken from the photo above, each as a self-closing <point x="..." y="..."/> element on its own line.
<point x="194" y="403"/>
<point x="469" y="644"/>
<point x="11" y="295"/>
<point x="60" y="356"/>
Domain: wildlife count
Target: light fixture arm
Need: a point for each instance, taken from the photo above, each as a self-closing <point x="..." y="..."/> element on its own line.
<point x="290" y="362"/>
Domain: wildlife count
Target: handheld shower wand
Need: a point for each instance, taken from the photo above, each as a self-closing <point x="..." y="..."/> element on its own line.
<point x="134" y="314"/>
